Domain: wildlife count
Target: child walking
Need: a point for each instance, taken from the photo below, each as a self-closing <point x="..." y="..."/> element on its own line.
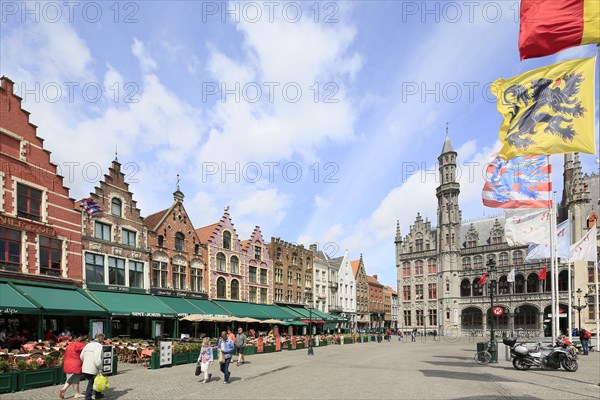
<point x="205" y="358"/>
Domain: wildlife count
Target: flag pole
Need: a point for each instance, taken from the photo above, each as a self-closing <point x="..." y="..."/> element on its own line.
<point x="570" y="321"/>
<point x="553" y="291"/>
<point x="555" y="268"/>
<point x="596" y="305"/>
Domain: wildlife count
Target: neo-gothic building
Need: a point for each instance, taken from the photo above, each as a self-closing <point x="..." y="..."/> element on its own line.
<point x="439" y="268"/>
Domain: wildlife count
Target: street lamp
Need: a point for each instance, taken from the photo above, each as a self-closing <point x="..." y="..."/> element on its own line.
<point x="491" y="264"/>
<point x="425" y="315"/>
<point x="579" y="307"/>
<point x="310" y="347"/>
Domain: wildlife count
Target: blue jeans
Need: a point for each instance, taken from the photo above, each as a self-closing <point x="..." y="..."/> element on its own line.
<point x="585" y="346"/>
<point x="225" y="368"/>
<point x="90" y="387"/>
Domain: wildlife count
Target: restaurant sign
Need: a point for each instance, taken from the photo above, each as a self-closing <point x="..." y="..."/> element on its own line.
<point x="27" y="225"/>
<point x="176" y="293"/>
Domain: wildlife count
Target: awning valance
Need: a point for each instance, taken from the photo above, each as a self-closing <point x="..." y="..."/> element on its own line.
<point x="133" y="305"/>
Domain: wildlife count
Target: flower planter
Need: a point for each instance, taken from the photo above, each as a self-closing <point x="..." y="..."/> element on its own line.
<point x="38" y="378"/>
<point x="8" y="382"/>
<point x="269" y="349"/>
<point x="192" y="357"/>
<point x="249" y="350"/>
<point x="299" y="345"/>
<point x="180" y="358"/>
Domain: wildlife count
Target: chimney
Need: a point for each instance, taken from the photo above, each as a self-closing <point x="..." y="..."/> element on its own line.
<point x="313" y="248"/>
<point x="375" y="276"/>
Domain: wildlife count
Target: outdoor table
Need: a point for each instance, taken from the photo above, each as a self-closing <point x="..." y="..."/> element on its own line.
<point x="147" y="352"/>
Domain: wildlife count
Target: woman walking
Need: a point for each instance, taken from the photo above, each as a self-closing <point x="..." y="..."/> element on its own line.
<point x="72" y="366"/>
<point x="206" y="358"/>
<point x="225" y="347"/>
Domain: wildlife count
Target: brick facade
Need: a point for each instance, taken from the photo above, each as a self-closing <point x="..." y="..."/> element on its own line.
<point x="362" y="293"/>
<point x="376" y="308"/>
<point x="258" y="257"/>
<point x="177" y="258"/>
<point x="293" y="272"/>
<point x="115" y="241"/>
<point x="40" y="228"/>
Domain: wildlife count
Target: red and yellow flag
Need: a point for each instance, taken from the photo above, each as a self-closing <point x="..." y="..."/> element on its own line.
<point x="549" y="26"/>
<point x="549" y="110"/>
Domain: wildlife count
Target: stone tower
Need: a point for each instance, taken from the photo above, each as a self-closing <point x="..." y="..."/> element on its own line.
<point x="448" y="234"/>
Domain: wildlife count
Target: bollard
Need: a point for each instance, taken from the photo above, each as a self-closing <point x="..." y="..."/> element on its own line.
<point x="507" y="352"/>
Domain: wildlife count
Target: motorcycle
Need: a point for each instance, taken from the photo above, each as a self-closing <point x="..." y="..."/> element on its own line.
<point x="561" y="355"/>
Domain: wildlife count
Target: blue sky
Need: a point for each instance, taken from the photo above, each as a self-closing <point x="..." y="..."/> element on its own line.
<point x="332" y="118"/>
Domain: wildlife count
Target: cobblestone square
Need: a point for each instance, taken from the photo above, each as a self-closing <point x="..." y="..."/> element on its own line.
<point x="394" y="370"/>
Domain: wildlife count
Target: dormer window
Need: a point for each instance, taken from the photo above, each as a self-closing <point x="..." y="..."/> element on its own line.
<point x="227" y="240"/>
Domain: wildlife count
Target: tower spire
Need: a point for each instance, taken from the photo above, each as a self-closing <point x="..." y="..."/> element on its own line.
<point x="447" y="144"/>
<point x="398" y="234"/>
<point x="178" y="194"/>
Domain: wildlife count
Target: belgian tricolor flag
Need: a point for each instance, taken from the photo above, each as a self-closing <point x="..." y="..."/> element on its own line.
<point x="549" y="26"/>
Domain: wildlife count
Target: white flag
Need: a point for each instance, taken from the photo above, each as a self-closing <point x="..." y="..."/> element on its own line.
<point x="511" y="276"/>
<point x="526" y="227"/>
<point x="585" y="248"/>
<point x="540" y="251"/>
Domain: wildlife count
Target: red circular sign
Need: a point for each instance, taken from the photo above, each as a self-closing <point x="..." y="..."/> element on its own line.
<point x="498" y="310"/>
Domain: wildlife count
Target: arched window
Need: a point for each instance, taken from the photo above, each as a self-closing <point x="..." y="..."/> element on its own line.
<point x="533" y="283"/>
<point x="519" y="284"/>
<point x="526" y="317"/>
<point x="431" y="266"/>
<point x="419" y="244"/>
<point x="496" y="236"/>
<point x="465" y="288"/>
<point x="227" y="240"/>
<point x="503" y="285"/>
<point x="419" y="267"/>
<point x="235" y="265"/>
<point x="503" y="259"/>
<point x="500" y="322"/>
<point x="477" y="288"/>
<point x="179" y="240"/>
<point x="563" y="281"/>
<point x="472" y="318"/>
<point x="221" y="288"/>
<point x="466" y="263"/>
<point x="235" y="289"/>
<point x="405" y="269"/>
<point x="517" y="257"/>
<point x="472" y="240"/>
<point x="478" y="262"/>
<point x="115" y="207"/>
<point x="221" y="262"/>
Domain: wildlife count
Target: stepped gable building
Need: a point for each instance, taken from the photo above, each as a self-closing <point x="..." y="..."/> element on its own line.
<point x="346" y="307"/>
<point x="376" y="306"/>
<point x="363" y="317"/>
<point x="115" y="241"/>
<point x="260" y="269"/>
<point x="40" y="226"/>
<point x="178" y="259"/>
<point x="293" y="272"/>
<point x="439" y="268"/>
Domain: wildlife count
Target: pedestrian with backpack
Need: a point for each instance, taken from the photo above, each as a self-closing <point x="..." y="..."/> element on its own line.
<point x="585" y="336"/>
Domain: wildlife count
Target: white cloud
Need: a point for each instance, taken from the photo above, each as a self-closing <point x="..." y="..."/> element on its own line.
<point x="147" y="62"/>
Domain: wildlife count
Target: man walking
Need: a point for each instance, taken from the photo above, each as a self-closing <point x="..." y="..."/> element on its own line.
<point x="91" y="355"/>
<point x="585" y="336"/>
<point x="225" y="347"/>
<point x="240" y="343"/>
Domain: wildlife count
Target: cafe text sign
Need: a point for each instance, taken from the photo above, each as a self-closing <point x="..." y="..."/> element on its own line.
<point x="26" y="225"/>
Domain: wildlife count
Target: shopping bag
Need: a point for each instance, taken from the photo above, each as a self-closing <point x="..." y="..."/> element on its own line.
<point x="100" y="383"/>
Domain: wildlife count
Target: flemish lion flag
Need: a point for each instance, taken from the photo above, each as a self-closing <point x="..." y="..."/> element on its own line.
<point x="548" y="110"/>
<point x="549" y="26"/>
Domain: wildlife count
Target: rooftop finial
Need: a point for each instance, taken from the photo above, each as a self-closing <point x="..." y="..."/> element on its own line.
<point x="226" y="209"/>
<point x="116" y="153"/>
<point x="178" y="180"/>
<point x="446" y="129"/>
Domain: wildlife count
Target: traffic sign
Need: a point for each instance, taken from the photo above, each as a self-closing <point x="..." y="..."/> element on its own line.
<point x="498" y="310"/>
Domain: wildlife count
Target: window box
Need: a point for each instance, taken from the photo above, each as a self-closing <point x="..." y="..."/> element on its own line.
<point x="8" y="382"/>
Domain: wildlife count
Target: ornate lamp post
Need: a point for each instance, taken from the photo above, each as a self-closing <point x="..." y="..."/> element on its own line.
<point x="579" y="307"/>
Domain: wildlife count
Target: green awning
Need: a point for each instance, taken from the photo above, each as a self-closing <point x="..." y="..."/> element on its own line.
<point x="241" y="309"/>
<point x="13" y="302"/>
<point x="324" y="316"/>
<point x="61" y="301"/>
<point x="181" y="306"/>
<point x="275" y="312"/>
<point x="208" y="307"/>
<point x="133" y="305"/>
<point x="294" y="323"/>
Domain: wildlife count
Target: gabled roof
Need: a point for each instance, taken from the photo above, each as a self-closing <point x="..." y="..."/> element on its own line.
<point x="153" y="220"/>
<point x="392" y="291"/>
<point x="371" y="279"/>
<point x="205" y="232"/>
<point x="354" y="264"/>
<point x="244" y="244"/>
